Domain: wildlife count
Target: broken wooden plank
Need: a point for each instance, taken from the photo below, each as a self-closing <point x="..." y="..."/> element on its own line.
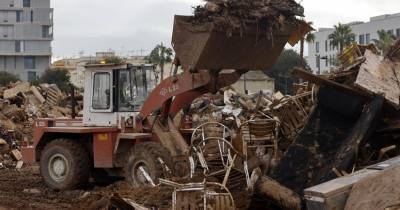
<point x="380" y="76"/>
<point x="318" y="80"/>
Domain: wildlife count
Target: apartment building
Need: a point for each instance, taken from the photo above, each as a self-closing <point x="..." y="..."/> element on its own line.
<point x="26" y="33"/>
<point x="320" y="52"/>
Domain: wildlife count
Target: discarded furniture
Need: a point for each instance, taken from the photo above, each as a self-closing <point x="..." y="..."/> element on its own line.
<point x="198" y="196"/>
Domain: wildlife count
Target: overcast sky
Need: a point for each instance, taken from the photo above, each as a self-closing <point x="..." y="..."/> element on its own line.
<point x="129" y="26"/>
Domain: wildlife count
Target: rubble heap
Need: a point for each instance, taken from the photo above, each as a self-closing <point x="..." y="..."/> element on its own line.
<point x="235" y="15"/>
<point x="233" y="109"/>
<point x="22" y="103"/>
<point x="355" y="121"/>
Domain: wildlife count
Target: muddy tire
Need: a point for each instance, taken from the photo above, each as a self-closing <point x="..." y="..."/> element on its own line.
<point x="65" y="165"/>
<point x="146" y="156"/>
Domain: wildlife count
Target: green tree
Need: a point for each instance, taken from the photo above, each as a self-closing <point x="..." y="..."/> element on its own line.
<point x="385" y="40"/>
<point x="282" y="70"/>
<point x="6" y="78"/>
<point x="310" y="38"/>
<point x="341" y="37"/>
<point x="159" y="56"/>
<point x="60" y="77"/>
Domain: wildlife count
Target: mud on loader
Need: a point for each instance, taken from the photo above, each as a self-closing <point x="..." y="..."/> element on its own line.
<point x="127" y="127"/>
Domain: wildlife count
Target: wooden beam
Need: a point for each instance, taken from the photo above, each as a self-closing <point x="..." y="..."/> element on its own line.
<point x="318" y="80"/>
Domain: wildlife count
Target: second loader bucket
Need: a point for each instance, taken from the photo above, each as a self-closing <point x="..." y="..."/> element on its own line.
<point x="208" y="47"/>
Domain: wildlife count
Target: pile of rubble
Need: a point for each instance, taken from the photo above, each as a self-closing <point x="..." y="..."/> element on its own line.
<point x="332" y="122"/>
<point x="355" y="124"/>
<point x="233" y="15"/>
<point x="22" y="103"/>
<point x="233" y="109"/>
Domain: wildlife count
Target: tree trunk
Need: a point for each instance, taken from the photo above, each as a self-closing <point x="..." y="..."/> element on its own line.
<point x="302" y="48"/>
<point x="280" y="195"/>
<point x="302" y="53"/>
<point x="341" y="47"/>
<point x="162" y="71"/>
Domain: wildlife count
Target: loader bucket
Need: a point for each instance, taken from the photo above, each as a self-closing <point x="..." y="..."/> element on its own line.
<point x="208" y="47"/>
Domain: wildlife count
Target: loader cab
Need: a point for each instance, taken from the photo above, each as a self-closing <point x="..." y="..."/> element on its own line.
<point x="114" y="92"/>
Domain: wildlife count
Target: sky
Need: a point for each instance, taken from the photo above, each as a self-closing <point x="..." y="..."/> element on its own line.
<point x="134" y="27"/>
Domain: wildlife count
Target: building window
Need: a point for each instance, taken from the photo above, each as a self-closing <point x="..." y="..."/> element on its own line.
<point x="398" y="33"/>
<point x="31" y="16"/>
<point x="27" y="3"/>
<point x="367" y="38"/>
<point x="326" y="61"/>
<point x="19" y="46"/>
<point x="326" y="46"/>
<point x="361" y="39"/>
<point x="47" y="31"/>
<point x="330" y="45"/>
<point x="101" y="91"/>
<point x="19" y="16"/>
<point x="30" y="62"/>
<point x="317" y="47"/>
<point x="32" y="76"/>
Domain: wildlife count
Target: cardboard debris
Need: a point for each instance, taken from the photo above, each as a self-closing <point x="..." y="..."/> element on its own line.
<point x="19" y="165"/>
<point x="19" y="88"/>
<point x="376" y="192"/>
<point x="16" y="155"/>
<point x="38" y="95"/>
<point x="380" y="76"/>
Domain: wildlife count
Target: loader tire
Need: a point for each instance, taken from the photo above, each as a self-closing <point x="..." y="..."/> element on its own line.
<point x="65" y="165"/>
<point x="146" y="155"/>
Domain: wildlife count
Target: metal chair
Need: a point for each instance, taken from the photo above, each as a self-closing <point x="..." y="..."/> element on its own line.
<point x="200" y="196"/>
<point x="258" y="136"/>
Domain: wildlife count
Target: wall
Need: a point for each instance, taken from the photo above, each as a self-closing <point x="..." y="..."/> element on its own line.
<point x="255" y="86"/>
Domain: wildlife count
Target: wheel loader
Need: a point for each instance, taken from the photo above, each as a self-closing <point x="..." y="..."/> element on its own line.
<point x="128" y="126"/>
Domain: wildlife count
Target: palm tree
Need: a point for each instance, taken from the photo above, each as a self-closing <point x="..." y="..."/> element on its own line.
<point x="385" y="40"/>
<point x="342" y="37"/>
<point x="310" y="37"/>
<point x="159" y="56"/>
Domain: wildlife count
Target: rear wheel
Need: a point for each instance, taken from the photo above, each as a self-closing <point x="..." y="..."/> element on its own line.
<point x="147" y="162"/>
<point x="64" y="164"/>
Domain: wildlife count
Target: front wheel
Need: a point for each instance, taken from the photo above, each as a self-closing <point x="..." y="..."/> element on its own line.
<point x="147" y="162"/>
<point x="64" y="165"/>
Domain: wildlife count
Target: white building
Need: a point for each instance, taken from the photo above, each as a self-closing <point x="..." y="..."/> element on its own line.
<point x="26" y="33"/>
<point x="365" y="33"/>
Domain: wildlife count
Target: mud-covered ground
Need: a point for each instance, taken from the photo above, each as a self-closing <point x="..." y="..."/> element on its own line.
<point x="25" y="189"/>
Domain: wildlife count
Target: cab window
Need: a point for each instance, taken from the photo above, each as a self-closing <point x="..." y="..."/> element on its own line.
<point x="125" y="101"/>
<point x="139" y="88"/>
<point x="101" y="91"/>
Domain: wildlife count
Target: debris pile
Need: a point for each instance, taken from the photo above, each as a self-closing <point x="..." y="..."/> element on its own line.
<point x="233" y="109"/>
<point x="354" y="124"/>
<point x="232" y="15"/>
<point x="22" y="103"/>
